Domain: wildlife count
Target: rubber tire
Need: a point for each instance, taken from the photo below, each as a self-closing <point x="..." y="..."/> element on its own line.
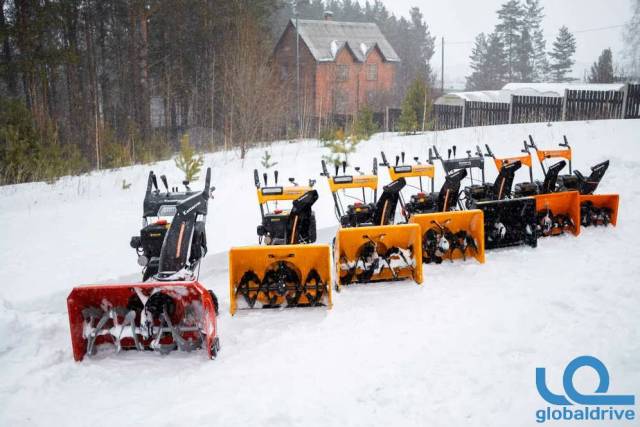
<point x="214" y="298"/>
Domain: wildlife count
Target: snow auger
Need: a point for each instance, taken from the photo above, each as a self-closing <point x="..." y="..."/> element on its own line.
<point x="451" y="235"/>
<point x="169" y="310"/>
<point x="445" y="234"/>
<point x="286" y="269"/>
<point x="508" y="221"/>
<point x="368" y="246"/>
<point x="558" y="213"/>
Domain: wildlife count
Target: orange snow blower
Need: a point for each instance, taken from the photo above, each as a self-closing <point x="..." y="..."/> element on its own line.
<point x="288" y="270"/>
<point x="368" y="246"/>
<point x="169" y="310"/>
<point x="446" y="234"/>
<point x="594" y="209"/>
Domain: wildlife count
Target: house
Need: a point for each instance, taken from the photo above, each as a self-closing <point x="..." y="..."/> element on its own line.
<point x="343" y="66"/>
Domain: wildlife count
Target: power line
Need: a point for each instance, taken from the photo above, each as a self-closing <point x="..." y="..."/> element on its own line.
<point x="599" y="29"/>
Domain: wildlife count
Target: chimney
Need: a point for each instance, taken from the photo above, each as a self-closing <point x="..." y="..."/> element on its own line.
<point x="328" y="15"/>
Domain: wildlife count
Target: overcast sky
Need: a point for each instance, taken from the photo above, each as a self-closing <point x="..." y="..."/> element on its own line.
<point x="461" y="20"/>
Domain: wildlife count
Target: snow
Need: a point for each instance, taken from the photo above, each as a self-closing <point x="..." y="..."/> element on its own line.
<point x="460" y="350"/>
<point x="559" y="88"/>
<point x="523" y="89"/>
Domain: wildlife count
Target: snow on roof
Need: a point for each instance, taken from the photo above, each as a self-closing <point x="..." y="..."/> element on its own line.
<point x="560" y="87"/>
<point x="326" y="38"/>
<point x="522" y="89"/>
<point x="458" y="98"/>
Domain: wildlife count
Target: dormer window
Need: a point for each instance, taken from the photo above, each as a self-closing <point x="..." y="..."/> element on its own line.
<point x="342" y="73"/>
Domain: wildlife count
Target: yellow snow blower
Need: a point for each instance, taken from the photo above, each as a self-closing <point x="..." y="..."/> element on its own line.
<point x="369" y="247"/>
<point x="286" y="269"/>
<point x="446" y="234"/>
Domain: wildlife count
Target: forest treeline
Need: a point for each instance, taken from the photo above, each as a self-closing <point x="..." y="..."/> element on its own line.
<point x="88" y="84"/>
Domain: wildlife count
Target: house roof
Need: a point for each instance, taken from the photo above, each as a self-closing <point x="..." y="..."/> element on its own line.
<point x="325" y="39"/>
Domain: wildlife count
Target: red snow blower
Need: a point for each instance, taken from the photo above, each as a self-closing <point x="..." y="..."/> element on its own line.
<point x="169" y="310"/>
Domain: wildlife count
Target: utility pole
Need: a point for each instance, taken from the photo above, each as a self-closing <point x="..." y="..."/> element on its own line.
<point x="442" y="69"/>
<point x="295" y="12"/>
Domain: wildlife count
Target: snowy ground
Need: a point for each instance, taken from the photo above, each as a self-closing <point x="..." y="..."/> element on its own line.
<point x="460" y="350"/>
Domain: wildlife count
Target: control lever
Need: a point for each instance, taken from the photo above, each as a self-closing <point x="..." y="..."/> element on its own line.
<point x="275" y="175"/>
<point x="163" y="178"/>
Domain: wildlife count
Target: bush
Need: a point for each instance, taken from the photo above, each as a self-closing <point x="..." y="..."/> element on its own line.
<point x="28" y="155"/>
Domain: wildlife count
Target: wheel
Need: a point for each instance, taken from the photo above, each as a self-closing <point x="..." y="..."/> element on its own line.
<point x="214" y="298"/>
<point x="215" y="348"/>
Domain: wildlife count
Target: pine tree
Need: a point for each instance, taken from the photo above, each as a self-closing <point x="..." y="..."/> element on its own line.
<point x="602" y="70"/>
<point x="510" y="21"/>
<point x="266" y="162"/>
<point x="478" y="79"/>
<point x="408" y="121"/>
<point x="415" y="100"/>
<point x="564" y="47"/>
<point x="340" y="147"/>
<point x="498" y="66"/>
<point x="187" y="161"/>
<point x="524" y="67"/>
<point x="632" y="41"/>
<point x="533" y="16"/>
<point x="489" y="64"/>
<point x="364" y="125"/>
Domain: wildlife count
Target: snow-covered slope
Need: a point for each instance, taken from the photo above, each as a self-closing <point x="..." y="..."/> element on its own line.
<point x="462" y="349"/>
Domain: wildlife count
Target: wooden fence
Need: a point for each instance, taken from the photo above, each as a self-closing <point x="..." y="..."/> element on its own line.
<point x="592" y="105"/>
<point x="447" y="117"/>
<point x="532" y="109"/>
<point x="575" y="105"/>
<point x="632" y="102"/>
<point x="485" y="113"/>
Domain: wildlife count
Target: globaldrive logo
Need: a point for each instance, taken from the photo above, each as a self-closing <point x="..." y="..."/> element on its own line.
<point x="576" y="406"/>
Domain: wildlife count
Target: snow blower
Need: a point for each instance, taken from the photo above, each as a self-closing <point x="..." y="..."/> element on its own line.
<point x="286" y="269"/>
<point x="169" y="310"/>
<point x="595" y="210"/>
<point x="369" y="246"/>
<point x="508" y="221"/>
<point x="445" y="235"/>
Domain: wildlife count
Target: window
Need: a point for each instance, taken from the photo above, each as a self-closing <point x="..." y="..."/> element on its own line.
<point x="372" y="72"/>
<point x="342" y="73"/>
<point x="341" y="102"/>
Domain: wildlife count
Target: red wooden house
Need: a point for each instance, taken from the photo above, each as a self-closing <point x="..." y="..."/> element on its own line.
<point x="343" y="66"/>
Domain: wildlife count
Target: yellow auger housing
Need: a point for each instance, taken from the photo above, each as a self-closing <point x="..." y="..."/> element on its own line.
<point x="368" y="246"/>
<point x="288" y="270"/>
<point x="558" y="213"/>
<point x="451" y="235"/>
<point x="255" y="283"/>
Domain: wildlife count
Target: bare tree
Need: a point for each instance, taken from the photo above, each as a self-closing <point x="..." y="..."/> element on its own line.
<point x="256" y="101"/>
